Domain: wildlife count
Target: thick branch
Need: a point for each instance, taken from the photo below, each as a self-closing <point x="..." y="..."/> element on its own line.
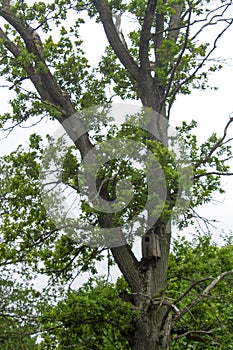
<point x="51" y="92"/>
<point x="44" y="82"/>
<point x="14" y="49"/>
<point x="114" y="39"/>
<point x="129" y="266"/>
<point x="24" y="30"/>
<point x="146" y="35"/>
<point x="158" y="37"/>
<point x="176" y="22"/>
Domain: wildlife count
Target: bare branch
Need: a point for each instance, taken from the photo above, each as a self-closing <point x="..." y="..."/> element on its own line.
<point x="202" y="63"/>
<point x="193" y="332"/>
<point x="213" y="149"/>
<point x="210" y="22"/>
<point x="207" y="222"/>
<point x="212" y="173"/>
<point x="205" y="294"/>
<point x="215" y="282"/>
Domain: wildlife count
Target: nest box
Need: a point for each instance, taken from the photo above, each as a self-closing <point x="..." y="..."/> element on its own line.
<point x="150" y="246"/>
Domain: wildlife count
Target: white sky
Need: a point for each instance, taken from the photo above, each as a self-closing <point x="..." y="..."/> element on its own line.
<point x="211" y="109"/>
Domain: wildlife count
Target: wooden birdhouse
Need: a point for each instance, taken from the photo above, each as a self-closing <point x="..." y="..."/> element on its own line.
<point x="150" y="246"/>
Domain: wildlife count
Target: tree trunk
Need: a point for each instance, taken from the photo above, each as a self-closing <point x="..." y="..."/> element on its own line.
<point x="153" y="326"/>
<point x="151" y="332"/>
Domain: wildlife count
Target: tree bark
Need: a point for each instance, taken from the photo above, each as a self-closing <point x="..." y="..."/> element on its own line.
<point x="151" y="332"/>
<point x="153" y="326"/>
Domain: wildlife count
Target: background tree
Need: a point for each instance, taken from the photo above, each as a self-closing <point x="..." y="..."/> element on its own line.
<point x="49" y="77"/>
<point x="206" y="324"/>
<point x="19" y="308"/>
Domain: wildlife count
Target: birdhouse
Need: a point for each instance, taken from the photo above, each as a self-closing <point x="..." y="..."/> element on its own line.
<point x="150" y="246"/>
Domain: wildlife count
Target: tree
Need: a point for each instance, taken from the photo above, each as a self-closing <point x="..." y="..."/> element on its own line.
<point x="204" y="325"/>
<point x="160" y="59"/>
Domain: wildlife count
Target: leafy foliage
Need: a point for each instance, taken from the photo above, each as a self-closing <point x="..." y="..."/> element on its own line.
<point x="28" y="236"/>
<point x="19" y="309"/>
<point x="92" y="317"/>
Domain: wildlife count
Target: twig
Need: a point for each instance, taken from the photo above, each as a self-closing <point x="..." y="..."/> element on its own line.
<point x="194" y="332"/>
